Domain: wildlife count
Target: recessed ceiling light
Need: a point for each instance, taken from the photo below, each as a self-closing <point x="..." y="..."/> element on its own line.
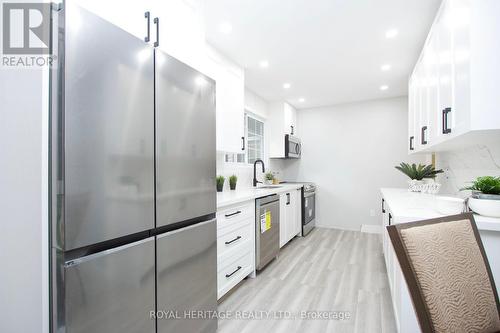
<point x="286" y="85"/>
<point x="264" y="64"/>
<point x="385" y="67"/>
<point x="384" y="87"/>
<point x="302" y="100"/>
<point x="391" y="33"/>
<point x="225" y="27"/>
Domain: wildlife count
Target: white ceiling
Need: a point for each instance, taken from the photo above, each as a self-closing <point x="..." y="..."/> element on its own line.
<point x="330" y="51"/>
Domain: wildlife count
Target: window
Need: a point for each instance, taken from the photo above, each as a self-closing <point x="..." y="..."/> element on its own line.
<point x="254" y="139"/>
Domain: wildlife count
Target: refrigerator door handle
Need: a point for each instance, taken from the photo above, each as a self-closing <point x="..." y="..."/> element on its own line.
<point x="147" y="15"/>
<point x="156" y="21"/>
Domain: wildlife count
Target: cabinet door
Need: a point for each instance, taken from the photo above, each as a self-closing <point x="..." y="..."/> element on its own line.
<point x="230" y="109"/>
<point x="283" y="219"/>
<point x="445" y="63"/>
<point x="460" y="121"/>
<point x="412" y="98"/>
<point x="290" y="120"/>
<point x="298" y="211"/>
<point x="431" y="75"/>
<point x="181" y="31"/>
<point x="127" y="14"/>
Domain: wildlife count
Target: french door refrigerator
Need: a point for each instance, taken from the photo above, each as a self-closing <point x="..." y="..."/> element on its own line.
<point x="132" y="183"/>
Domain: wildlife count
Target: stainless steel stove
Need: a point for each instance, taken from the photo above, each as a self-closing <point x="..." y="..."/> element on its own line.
<point x="308" y="206"/>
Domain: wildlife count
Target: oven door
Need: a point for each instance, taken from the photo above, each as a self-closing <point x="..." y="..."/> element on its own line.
<point x="308" y="213"/>
<point x="292" y="147"/>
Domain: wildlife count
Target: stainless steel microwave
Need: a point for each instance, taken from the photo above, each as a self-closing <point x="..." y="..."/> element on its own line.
<point x="293" y="147"/>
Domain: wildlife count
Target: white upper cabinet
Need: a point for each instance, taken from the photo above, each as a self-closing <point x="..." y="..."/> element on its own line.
<point x="230" y="101"/>
<point x="180" y="29"/>
<point x="176" y="25"/>
<point x="453" y="90"/>
<point x="282" y="120"/>
<point x="127" y="14"/>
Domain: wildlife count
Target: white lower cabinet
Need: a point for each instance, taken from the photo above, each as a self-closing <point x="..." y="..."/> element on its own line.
<point x="235" y="245"/>
<point x="406" y="319"/>
<point x="290" y="216"/>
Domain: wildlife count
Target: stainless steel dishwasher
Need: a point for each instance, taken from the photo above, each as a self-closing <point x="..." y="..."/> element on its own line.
<point x="267" y="229"/>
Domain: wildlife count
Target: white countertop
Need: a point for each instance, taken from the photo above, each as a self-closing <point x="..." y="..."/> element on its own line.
<point x="408" y="206"/>
<point x="227" y="198"/>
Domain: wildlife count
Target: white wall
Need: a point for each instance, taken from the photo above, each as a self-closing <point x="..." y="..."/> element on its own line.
<point x="350" y="151"/>
<point x="23" y="201"/>
<point x="464" y="165"/>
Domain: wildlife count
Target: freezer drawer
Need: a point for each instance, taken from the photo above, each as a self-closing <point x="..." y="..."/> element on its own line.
<point x="112" y="291"/>
<point x="187" y="278"/>
<point x="185" y="142"/>
<point x="108" y="142"/>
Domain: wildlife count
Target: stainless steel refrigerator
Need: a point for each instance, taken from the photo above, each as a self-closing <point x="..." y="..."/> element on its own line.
<point x="133" y="196"/>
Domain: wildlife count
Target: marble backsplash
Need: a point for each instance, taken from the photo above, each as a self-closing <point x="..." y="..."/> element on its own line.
<point x="464" y="165"/>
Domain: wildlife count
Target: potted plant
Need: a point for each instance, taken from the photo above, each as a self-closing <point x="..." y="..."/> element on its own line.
<point x="485" y="198"/>
<point x="417" y="174"/>
<point x="232" y="182"/>
<point x="220" y="183"/>
<point x="269" y="178"/>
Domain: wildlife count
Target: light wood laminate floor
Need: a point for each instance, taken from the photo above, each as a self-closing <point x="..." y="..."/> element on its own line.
<point x="329" y="270"/>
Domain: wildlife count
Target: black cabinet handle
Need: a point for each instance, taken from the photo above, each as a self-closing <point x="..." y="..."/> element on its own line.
<point x="291" y="130"/>
<point x="156" y="21"/>
<point x="232" y="214"/>
<point x="412" y="138"/>
<point x="383" y="208"/>
<point x="242" y="143"/>
<point x="231" y="274"/>
<point x="288" y="198"/>
<point x="390" y="218"/>
<point x="147" y="15"/>
<point x="423" y="133"/>
<point x="446" y="130"/>
<point x="233" y="240"/>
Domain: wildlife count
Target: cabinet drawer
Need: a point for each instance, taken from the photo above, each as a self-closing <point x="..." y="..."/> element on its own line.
<point x="235" y="214"/>
<point x="234" y="239"/>
<point x="232" y="273"/>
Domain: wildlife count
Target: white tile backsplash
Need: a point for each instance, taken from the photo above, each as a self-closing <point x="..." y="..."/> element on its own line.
<point x="464" y="165"/>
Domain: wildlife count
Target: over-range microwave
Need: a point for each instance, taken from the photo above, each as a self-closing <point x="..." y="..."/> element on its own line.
<point x="293" y="147"/>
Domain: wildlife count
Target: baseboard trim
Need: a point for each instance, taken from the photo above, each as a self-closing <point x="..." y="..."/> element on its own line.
<point x="371" y="228"/>
<point x="336" y="227"/>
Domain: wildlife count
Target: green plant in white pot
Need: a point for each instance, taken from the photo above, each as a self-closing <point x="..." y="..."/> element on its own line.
<point x="269" y="178"/>
<point x="485" y="198"/>
<point x="417" y="174"/>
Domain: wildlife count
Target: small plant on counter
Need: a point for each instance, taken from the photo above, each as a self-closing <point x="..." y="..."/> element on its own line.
<point x="485" y="185"/>
<point x="485" y="198"/>
<point x="232" y="182"/>
<point x="418" y="172"/>
<point x="269" y="177"/>
<point x="220" y="183"/>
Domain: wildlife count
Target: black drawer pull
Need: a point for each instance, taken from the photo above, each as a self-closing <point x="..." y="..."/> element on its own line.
<point x="232" y="214"/>
<point x="234" y="272"/>
<point x="233" y="240"/>
<point x="390" y="218"/>
<point x="411" y="142"/>
<point x="383" y="208"/>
